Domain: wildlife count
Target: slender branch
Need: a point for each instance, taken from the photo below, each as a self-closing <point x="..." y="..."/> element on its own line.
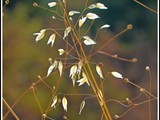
<point x="150" y="9"/>
<point x="129" y="27"/>
<point x="10" y="109"/>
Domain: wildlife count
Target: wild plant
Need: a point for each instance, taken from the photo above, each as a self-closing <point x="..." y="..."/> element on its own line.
<point x="75" y="63"/>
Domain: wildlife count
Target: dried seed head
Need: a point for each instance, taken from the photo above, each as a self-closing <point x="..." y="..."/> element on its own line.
<point x="39" y="77"/>
<point x="59" y="100"/>
<point x="35" y="4"/>
<point x="142" y="90"/>
<point x="50" y="60"/>
<point x="65" y="117"/>
<point x="44" y="115"/>
<point x="116" y="116"/>
<point x="54" y="87"/>
<point x="6" y="2"/>
<point x="134" y="60"/>
<point x="147" y="68"/>
<point x="100" y="64"/>
<point x="129" y="26"/>
<point x="31" y="88"/>
<point x="127" y="99"/>
<point x="115" y="55"/>
<point x="126" y="80"/>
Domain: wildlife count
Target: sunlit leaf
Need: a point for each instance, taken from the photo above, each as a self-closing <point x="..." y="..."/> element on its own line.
<point x="51" y="39"/>
<point x="99" y="71"/>
<point x="64" y="103"/>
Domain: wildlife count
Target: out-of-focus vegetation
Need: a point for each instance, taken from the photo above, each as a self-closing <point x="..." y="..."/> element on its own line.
<point x="23" y="59"/>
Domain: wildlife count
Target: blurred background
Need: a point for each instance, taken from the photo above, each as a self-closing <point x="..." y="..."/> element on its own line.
<point x="24" y="59"/>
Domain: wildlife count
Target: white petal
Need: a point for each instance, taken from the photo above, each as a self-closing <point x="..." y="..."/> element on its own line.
<point x="66" y="32"/>
<point x="52" y="4"/>
<point x="82" y="106"/>
<point x="105" y="26"/>
<point x="73" y="70"/>
<point x="92" y="16"/>
<point x="50" y="69"/>
<point x="64" y="103"/>
<point x="71" y="13"/>
<point x="54" y="101"/>
<point x="116" y="74"/>
<point x="101" y="6"/>
<point x="81" y="21"/>
<point x="60" y="68"/>
<point x="99" y="71"/>
<point x="92" y="6"/>
<point x="52" y="39"/>
<point x="40" y="35"/>
<point x="61" y="51"/>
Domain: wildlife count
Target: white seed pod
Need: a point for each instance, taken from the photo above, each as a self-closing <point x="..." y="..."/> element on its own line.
<point x="54" y="102"/>
<point x="92" y="6"/>
<point x="88" y="41"/>
<point x="61" y="51"/>
<point x="64" y="103"/>
<point x="92" y="16"/>
<point x="50" y="69"/>
<point x="60" y="68"/>
<point x="71" y="13"/>
<point x="81" y="21"/>
<point x="117" y="75"/>
<point x="66" y="32"/>
<point x="40" y="35"/>
<point x="99" y="71"/>
<point x="105" y="26"/>
<point x="51" y="39"/>
<point x="101" y="6"/>
<point x="52" y="4"/>
<point x="81" y="106"/>
<point x="73" y="70"/>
